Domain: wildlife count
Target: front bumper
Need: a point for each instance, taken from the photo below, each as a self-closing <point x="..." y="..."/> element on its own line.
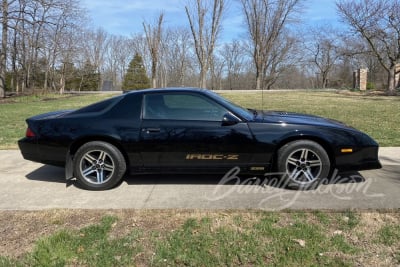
<point x="365" y="158"/>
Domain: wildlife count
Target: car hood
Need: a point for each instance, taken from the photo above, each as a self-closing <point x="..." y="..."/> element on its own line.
<point x="297" y="118"/>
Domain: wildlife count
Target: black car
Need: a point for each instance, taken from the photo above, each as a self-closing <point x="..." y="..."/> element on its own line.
<point x="175" y="130"/>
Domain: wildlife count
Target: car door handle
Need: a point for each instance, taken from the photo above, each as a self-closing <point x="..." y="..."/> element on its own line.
<point x="152" y="130"/>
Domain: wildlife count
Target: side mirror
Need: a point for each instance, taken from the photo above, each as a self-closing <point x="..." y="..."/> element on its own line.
<point x="229" y="119"/>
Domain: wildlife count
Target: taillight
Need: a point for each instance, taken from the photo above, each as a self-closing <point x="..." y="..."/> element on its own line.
<point x="29" y="133"/>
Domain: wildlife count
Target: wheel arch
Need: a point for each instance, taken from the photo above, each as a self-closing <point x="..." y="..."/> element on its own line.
<point x="107" y="139"/>
<point x="319" y="140"/>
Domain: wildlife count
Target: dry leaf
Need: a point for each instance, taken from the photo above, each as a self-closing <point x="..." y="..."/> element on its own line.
<point x="302" y="243"/>
<point x="337" y="232"/>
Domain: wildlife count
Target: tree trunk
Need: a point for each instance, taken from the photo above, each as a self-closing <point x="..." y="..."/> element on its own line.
<point x="392" y="80"/>
<point x="324" y="79"/>
<point x="3" y="52"/>
<point x="153" y="37"/>
<point x="203" y="77"/>
<point x="46" y="78"/>
<point x="182" y="73"/>
<point x="153" y="76"/>
<point x="258" y="79"/>
<point x="258" y="82"/>
<point x="62" y="80"/>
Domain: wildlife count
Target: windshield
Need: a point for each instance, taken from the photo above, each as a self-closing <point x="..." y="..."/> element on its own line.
<point x="238" y="110"/>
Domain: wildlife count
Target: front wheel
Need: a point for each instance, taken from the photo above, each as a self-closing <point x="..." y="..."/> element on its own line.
<point x="98" y="166"/>
<point x="303" y="164"/>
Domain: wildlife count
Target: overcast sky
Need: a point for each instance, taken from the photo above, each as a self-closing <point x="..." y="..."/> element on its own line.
<point x="125" y="17"/>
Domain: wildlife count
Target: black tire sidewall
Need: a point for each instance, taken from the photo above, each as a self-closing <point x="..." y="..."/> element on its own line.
<point x="289" y="148"/>
<point x="113" y="152"/>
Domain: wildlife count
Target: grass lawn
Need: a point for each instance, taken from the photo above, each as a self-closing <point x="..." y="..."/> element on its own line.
<point x="201" y="238"/>
<point x="376" y="115"/>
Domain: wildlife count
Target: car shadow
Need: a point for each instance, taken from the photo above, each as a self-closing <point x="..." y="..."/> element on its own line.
<point x="218" y="179"/>
<point x="53" y="174"/>
<point x="47" y="173"/>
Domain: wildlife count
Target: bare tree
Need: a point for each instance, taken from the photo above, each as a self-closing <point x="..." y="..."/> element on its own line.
<point x="153" y="38"/>
<point x="233" y="55"/>
<point x="378" y="23"/>
<point x="3" y="50"/>
<point x="95" y="46"/>
<point x="118" y="56"/>
<point x="282" y="57"/>
<point x="62" y="36"/>
<point x="38" y="31"/>
<point x="265" y="22"/>
<point x="178" y="56"/>
<point x="324" y="51"/>
<point x="205" y="24"/>
<point x="216" y="69"/>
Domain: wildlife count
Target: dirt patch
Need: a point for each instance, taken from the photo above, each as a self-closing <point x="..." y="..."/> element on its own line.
<point x="21" y="229"/>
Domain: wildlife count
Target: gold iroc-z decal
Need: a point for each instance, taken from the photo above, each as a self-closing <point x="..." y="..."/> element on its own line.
<point x="212" y="157"/>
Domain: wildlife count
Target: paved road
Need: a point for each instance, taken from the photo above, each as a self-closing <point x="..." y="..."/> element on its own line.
<point x="26" y="185"/>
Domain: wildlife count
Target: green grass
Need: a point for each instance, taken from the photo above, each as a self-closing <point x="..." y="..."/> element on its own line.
<point x="91" y="246"/>
<point x="273" y="239"/>
<point x="378" y="116"/>
<point x="223" y="238"/>
<point x="389" y="234"/>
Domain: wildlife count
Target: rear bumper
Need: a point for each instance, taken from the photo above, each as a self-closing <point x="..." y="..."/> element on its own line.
<point x="28" y="148"/>
<point x="52" y="155"/>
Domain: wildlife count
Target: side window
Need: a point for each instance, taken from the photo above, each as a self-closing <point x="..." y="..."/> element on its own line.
<point x="154" y="107"/>
<point x="182" y="107"/>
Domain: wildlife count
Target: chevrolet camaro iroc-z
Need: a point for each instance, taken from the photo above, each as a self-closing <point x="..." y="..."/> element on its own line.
<point x="188" y="130"/>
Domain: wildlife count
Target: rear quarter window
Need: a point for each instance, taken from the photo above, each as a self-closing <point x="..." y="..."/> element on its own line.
<point x="129" y="107"/>
<point x="99" y="106"/>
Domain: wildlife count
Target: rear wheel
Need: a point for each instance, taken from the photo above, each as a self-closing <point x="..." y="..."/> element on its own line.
<point x="303" y="164"/>
<point x="98" y="166"/>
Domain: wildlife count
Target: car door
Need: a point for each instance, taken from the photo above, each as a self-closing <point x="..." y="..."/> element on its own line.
<point x="186" y="130"/>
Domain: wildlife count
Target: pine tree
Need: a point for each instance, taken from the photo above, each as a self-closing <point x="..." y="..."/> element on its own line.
<point x="136" y="77"/>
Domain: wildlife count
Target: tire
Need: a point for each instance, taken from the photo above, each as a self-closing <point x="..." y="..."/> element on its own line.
<point x="98" y="166"/>
<point x="303" y="164"/>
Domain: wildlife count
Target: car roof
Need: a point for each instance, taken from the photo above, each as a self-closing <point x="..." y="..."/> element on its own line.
<point x="167" y="90"/>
